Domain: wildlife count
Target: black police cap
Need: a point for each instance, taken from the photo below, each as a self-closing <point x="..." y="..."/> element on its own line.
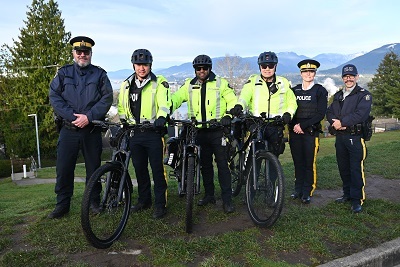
<point x="308" y="64"/>
<point x="82" y="43"/>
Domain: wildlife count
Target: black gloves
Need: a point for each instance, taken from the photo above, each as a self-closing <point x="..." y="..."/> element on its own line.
<point x="286" y="118"/>
<point x="236" y="110"/>
<point x="226" y="121"/>
<point x="160" y="122"/>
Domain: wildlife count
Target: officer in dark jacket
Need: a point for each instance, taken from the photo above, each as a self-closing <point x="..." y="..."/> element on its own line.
<point x="304" y="129"/>
<point x="347" y="113"/>
<point x="79" y="93"/>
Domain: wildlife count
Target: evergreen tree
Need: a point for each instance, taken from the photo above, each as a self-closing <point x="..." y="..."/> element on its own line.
<point x="385" y="87"/>
<point x="26" y="69"/>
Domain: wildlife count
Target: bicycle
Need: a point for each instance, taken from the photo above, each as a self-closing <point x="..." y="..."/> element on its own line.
<point x="253" y="164"/>
<point x="184" y="158"/>
<point x="111" y="185"/>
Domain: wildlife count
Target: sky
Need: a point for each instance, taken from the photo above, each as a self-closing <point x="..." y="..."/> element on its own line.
<point x="176" y="31"/>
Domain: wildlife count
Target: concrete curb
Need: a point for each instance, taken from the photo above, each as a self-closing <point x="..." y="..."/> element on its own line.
<point x="385" y="255"/>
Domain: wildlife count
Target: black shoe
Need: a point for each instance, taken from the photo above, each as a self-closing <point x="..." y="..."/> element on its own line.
<point x="95" y="208"/>
<point x="228" y="207"/>
<point x="58" y="212"/>
<point x="140" y="207"/>
<point x="306" y="200"/>
<point x="342" y="199"/>
<point x="295" y="195"/>
<point x="159" y="212"/>
<point x="206" y="200"/>
<point x="356" y="208"/>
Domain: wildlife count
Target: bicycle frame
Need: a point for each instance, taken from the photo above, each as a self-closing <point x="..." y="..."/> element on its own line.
<point x="121" y="157"/>
<point x="189" y="149"/>
<point x="250" y="145"/>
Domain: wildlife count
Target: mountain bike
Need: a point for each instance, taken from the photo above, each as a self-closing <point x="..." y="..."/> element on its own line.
<point x="184" y="157"/>
<point x="253" y="164"/>
<point x="110" y="187"/>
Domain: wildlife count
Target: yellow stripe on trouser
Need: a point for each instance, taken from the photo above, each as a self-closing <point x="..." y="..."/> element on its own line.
<point x="165" y="172"/>
<point x="316" y="148"/>
<point x="362" y="169"/>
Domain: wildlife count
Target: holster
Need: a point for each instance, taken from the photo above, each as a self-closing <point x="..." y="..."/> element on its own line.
<point x="58" y="120"/>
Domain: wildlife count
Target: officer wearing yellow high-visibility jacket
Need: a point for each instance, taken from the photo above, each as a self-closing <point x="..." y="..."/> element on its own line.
<point x="209" y="97"/>
<point x="145" y="97"/>
<point x="269" y="93"/>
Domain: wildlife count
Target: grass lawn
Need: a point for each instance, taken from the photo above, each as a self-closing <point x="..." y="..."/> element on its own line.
<point x="301" y="237"/>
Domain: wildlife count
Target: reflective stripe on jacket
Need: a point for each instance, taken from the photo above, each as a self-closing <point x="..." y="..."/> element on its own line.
<point x="255" y="94"/>
<point x="219" y="97"/>
<point x="155" y="100"/>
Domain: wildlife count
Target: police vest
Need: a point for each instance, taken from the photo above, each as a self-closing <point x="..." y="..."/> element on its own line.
<point x="307" y="102"/>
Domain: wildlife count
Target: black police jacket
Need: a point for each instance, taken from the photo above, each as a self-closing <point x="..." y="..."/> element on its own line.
<point x="81" y="90"/>
<point x="353" y="109"/>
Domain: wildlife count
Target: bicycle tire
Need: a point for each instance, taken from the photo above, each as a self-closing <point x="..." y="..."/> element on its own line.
<point x="103" y="228"/>
<point x="235" y="163"/>
<point x="191" y="175"/>
<point x="265" y="203"/>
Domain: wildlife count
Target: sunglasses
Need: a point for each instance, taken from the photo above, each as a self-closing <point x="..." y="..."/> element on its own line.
<point x="199" y="68"/>
<point x="270" y="66"/>
<point x="85" y="52"/>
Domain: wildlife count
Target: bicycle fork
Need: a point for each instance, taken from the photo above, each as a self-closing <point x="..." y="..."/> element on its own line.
<point x="257" y="166"/>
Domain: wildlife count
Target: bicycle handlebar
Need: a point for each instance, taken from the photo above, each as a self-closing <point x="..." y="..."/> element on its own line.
<point x="194" y="122"/>
<point x="277" y="120"/>
<point x="107" y="124"/>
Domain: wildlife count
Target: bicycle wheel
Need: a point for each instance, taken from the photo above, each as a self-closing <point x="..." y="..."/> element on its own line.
<point x="104" y="226"/>
<point x="265" y="198"/>
<point x="191" y="175"/>
<point x="235" y="164"/>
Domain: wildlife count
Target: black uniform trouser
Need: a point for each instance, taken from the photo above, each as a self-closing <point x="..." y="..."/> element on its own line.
<point x="148" y="147"/>
<point x="210" y="141"/>
<point x="350" y="155"/>
<point x="69" y="143"/>
<point x="304" y="149"/>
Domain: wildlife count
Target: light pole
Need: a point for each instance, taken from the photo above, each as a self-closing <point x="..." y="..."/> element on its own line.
<point x="37" y="138"/>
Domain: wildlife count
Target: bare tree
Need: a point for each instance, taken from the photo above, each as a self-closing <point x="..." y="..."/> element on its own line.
<point x="235" y="70"/>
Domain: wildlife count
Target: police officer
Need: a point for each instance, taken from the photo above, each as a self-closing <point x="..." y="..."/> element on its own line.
<point x="350" y="108"/>
<point x="304" y="129"/>
<point x="209" y="97"/>
<point x="79" y="93"/>
<point x="269" y="93"/>
<point x="146" y="97"/>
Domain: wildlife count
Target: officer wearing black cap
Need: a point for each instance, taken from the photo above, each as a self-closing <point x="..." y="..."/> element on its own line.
<point x="304" y="129"/>
<point x="79" y="93"/>
<point x="349" y="110"/>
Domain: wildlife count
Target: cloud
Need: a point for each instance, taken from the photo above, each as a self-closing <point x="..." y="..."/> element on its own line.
<point x="330" y="86"/>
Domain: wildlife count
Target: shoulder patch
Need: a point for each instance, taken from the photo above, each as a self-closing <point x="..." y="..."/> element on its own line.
<point x="166" y="84"/>
<point x="368" y="97"/>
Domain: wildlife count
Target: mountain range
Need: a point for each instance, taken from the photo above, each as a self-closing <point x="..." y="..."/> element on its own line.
<point x="331" y="63"/>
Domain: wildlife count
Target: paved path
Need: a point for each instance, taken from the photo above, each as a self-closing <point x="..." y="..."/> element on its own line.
<point x="31" y="181"/>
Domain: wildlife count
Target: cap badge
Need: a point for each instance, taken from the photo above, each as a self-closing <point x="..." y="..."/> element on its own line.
<point x="348" y="68"/>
